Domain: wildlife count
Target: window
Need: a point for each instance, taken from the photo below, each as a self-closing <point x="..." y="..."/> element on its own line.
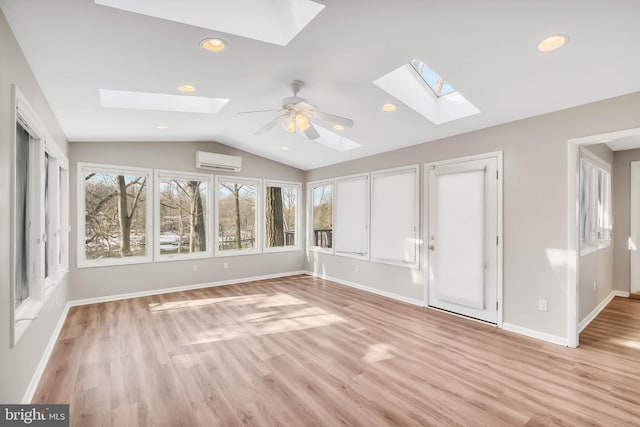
<point x="394" y="216"/>
<point x="321" y="215"/>
<point x="114" y="215"/>
<point x="182" y="215"/>
<point x="237" y="213"/>
<point x="595" y="203"/>
<point x="352" y="216"/>
<point x="281" y="220"/>
<point x="436" y="83"/>
<point x="39" y="205"/>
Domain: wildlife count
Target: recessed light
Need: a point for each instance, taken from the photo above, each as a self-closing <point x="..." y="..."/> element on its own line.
<point x="162" y="127"/>
<point x="284" y="148"/>
<point x="187" y="88"/>
<point x="213" y="45"/>
<point x="338" y="127"/>
<point x="389" y="107"/>
<point x="552" y="43"/>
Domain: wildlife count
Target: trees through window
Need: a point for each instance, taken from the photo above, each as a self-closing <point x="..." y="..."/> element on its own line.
<point x="237" y="213"/>
<point x="182" y="215"/>
<point x="281" y="216"/>
<point x="321" y="195"/>
<point x="116" y="207"/>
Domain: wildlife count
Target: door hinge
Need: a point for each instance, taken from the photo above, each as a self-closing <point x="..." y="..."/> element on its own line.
<point x="497" y="175"/>
<point x="497" y="240"/>
<point x="496" y="305"/>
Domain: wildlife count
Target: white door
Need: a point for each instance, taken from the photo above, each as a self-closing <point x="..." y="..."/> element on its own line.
<point x="462" y="238"/>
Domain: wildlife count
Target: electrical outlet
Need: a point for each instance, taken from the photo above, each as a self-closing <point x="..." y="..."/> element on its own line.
<point x="225" y="265"/>
<point x="195" y="267"/>
<point x="595" y="285"/>
<point x="357" y="268"/>
<point x="542" y="305"/>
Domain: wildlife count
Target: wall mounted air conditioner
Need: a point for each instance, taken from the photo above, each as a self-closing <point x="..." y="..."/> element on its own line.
<point x="215" y="161"/>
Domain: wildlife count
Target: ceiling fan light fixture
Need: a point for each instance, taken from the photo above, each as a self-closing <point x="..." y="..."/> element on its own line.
<point x="213" y="44"/>
<point x="302" y="122"/>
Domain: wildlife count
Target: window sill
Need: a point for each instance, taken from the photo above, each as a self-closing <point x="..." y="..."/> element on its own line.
<point x="237" y="252"/>
<point x="109" y="262"/>
<point x="183" y="257"/>
<point x="280" y="249"/>
<point x="320" y="250"/>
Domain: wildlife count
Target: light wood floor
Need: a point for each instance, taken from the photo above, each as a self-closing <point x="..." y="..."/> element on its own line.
<point x="307" y="352"/>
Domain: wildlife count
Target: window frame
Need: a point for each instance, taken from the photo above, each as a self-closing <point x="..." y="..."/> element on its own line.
<point x="257" y="249"/>
<point x="597" y="209"/>
<point x="310" y="238"/>
<point x="82" y="261"/>
<point x="336" y="222"/>
<point x="160" y="174"/>
<point x="40" y="287"/>
<point x="279" y="183"/>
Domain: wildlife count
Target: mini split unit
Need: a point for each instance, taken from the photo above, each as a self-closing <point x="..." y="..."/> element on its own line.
<point x="215" y="161"/>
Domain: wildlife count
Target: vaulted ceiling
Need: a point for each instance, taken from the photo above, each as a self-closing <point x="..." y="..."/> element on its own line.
<point x="485" y="50"/>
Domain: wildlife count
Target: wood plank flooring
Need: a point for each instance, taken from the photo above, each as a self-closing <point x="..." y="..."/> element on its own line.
<point x="301" y="351"/>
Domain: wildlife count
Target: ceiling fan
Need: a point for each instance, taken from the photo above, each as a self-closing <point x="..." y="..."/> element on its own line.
<point x="298" y="114"/>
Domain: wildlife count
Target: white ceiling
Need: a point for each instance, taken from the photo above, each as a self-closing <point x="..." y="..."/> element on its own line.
<point x="486" y="50"/>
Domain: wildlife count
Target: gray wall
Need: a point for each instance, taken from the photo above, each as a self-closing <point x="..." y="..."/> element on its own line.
<point x="113" y="280"/>
<point x="597" y="266"/>
<point x="621" y="218"/>
<point x="18" y="364"/>
<point x="535" y="206"/>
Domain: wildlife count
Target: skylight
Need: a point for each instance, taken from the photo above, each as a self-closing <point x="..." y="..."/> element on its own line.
<point x="437" y="84"/>
<point x="274" y="21"/>
<point x="160" y="102"/>
<point x="424" y="91"/>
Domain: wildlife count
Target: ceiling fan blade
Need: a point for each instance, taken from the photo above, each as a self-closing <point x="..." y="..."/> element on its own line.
<point x="257" y="111"/>
<point x="311" y="132"/>
<point x="269" y="125"/>
<point x="332" y="118"/>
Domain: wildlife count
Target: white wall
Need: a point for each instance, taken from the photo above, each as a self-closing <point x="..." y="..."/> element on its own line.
<point x="621" y="216"/>
<point x="597" y="266"/>
<point x="113" y="280"/>
<point x="535" y="207"/>
<point x="18" y="364"/>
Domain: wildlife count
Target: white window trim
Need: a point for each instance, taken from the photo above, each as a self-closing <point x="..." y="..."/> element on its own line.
<point x="40" y="290"/>
<point x="278" y="183"/>
<point x="82" y="261"/>
<point x="258" y="213"/>
<point x="416" y="214"/>
<point x="310" y="186"/>
<point x="595" y="243"/>
<point x="187" y="176"/>
<point x="353" y="177"/>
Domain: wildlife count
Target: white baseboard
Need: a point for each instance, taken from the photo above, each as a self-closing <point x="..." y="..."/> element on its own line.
<point x="35" y="379"/>
<point x="117" y="297"/>
<point x="535" y="334"/>
<point x="594" y="313"/>
<point x="386" y="294"/>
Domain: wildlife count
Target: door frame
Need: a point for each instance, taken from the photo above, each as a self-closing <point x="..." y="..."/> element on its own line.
<point x="634" y="225"/>
<point x="573" y="223"/>
<point x="499" y="227"/>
